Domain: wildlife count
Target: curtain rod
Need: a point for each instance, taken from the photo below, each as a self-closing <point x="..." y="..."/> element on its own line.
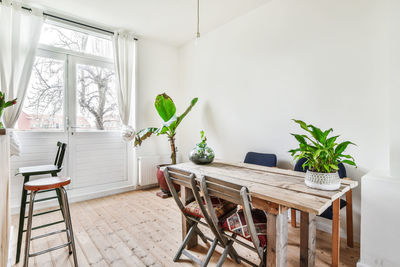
<point x="72" y="21"/>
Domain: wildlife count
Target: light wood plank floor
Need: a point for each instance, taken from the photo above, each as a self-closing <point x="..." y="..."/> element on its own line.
<point x="140" y="229"/>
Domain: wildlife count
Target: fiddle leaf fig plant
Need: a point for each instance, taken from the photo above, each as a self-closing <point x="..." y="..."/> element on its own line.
<point x="3" y="105"/>
<point x="321" y="151"/>
<point x="167" y="110"/>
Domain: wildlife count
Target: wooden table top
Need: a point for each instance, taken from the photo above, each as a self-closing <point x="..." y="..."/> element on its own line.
<point x="284" y="187"/>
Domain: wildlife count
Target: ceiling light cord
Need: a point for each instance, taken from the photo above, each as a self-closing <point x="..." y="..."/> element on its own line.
<point x="198" y="19"/>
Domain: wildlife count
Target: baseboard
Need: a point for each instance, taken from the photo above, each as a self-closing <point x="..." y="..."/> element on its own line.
<point x="359" y="264"/>
<point x="144" y="187"/>
<point x="82" y="194"/>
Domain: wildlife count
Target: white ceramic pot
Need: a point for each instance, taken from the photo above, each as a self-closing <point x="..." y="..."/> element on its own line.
<point x="324" y="181"/>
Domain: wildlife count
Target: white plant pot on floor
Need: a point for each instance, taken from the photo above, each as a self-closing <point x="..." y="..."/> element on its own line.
<point x="324" y="181"/>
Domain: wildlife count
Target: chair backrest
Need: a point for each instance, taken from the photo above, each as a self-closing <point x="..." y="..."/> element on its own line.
<point x="268" y="160"/>
<point x="299" y="168"/>
<point x="187" y="179"/>
<point x="60" y="154"/>
<point x="212" y="187"/>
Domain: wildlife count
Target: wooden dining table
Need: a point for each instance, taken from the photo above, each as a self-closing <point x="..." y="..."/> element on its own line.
<point x="275" y="190"/>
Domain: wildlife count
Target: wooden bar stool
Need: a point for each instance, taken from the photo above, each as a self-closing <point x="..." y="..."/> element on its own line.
<point x="35" y="187"/>
<point x="27" y="172"/>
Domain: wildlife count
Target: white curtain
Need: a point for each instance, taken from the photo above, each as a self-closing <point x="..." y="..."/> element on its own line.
<point x="19" y="34"/>
<point x="124" y="45"/>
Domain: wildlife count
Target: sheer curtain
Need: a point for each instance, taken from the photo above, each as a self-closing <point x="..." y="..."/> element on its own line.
<point x="124" y="45"/>
<point x="19" y="35"/>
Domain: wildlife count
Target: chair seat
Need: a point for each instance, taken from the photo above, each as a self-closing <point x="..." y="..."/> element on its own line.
<point x="222" y="207"/>
<point x="47" y="183"/>
<point x="328" y="213"/>
<point x="237" y="224"/>
<point x="42" y="169"/>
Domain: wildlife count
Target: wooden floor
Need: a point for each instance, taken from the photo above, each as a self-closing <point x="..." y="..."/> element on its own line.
<point x="140" y="229"/>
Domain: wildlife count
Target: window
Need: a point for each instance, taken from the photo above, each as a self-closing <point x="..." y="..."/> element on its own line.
<point x="73" y="80"/>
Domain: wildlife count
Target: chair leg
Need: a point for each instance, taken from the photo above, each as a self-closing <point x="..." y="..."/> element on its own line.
<point x="70" y="231"/>
<point x="349" y="218"/>
<point x="225" y="253"/>
<point x="21" y="219"/>
<point x="29" y="229"/>
<point x="293" y="217"/>
<point x="210" y="252"/>
<point x="192" y="231"/>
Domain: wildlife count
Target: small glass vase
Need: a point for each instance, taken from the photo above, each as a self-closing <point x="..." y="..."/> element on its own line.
<point x="202" y="155"/>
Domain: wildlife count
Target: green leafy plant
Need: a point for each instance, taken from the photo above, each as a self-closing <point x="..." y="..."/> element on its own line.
<point x="321" y="152"/>
<point x="5" y="104"/>
<point x="203" y="142"/>
<point x="167" y="110"/>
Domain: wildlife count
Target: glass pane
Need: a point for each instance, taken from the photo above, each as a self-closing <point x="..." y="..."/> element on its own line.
<point x="96" y="99"/>
<point x="76" y="41"/>
<point x="44" y="102"/>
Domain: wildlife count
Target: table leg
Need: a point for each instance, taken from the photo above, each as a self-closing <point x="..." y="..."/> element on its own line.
<point x="277" y="239"/>
<point x="307" y="239"/>
<point x="349" y="218"/>
<point x="336" y="233"/>
<point x="293" y="217"/>
<point x="186" y="195"/>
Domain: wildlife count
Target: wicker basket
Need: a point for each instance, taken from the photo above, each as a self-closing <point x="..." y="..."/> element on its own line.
<point x="324" y="181"/>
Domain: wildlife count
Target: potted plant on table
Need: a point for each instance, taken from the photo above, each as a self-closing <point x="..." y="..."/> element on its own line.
<point x="167" y="111"/>
<point x="322" y="155"/>
<point x="3" y="105"/>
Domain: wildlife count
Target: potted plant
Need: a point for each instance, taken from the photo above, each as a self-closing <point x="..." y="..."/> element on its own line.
<point x="3" y="105"/>
<point x="202" y="154"/>
<point x="322" y="155"/>
<point x="167" y="111"/>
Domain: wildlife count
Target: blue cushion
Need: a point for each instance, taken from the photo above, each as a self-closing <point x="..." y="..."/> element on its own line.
<point x="299" y="168"/>
<point x="328" y="213"/>
<point x="262" y="159"/>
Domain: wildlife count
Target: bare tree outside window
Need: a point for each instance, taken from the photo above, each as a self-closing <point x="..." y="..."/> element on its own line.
<point x="96" y="101"/>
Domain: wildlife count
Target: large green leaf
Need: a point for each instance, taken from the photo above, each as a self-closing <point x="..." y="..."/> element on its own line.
<point x="165" y="106"/>
<point x="317" y="134"/>
<point x="342" y="146"/>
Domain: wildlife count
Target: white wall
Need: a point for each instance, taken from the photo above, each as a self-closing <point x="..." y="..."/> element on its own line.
<point x="319" y="61"/>
<point x="157" y="73"/>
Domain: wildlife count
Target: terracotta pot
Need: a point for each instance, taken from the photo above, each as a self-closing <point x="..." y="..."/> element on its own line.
<point x="161" y="180"/>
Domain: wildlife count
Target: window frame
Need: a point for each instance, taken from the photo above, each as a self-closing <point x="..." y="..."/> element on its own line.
<point x="71" y="59"/>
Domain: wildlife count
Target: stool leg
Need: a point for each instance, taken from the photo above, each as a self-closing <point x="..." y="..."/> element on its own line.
<point x="68" y="219"/>
<point x="21" y="219"/>
<point x="29" y="229"/>
<point x="62" y="207"/>
<point x="54" y="174"/>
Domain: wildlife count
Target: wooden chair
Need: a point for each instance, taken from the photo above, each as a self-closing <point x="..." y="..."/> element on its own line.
<point x="27" y="172"/>
<point x="36" y="186"/>
<point x="241" y="223"/>
<point x="263" y="159"/>
<point x="328" y="213"/>
<point x="194" y="212"/>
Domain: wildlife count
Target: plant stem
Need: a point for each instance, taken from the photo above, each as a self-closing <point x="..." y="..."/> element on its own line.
<point x="173" y="148"/>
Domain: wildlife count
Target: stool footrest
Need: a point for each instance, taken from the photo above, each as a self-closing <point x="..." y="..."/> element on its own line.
<point x="42" y="199"/>
<point x="43" y="213"/>
<point x="46" y="225"/>
<point x="48" y="234"/>
<point x="41" y="191"/>
<point x="49" y="250"/>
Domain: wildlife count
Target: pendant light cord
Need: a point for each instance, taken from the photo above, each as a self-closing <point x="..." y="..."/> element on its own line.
<point x="198" y="19"/>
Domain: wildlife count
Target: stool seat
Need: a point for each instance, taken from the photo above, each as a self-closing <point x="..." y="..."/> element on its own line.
<point x="47" y="183"/>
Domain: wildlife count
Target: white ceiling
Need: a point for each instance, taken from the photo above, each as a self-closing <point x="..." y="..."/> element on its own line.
<point x="171" y="21"/>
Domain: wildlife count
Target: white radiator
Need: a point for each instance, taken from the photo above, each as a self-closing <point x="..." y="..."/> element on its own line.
<point x="147" y="168"/>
